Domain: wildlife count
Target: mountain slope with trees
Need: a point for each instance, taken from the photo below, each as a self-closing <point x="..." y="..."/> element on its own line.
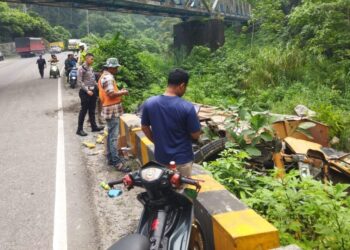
<point x="15" y="23"/>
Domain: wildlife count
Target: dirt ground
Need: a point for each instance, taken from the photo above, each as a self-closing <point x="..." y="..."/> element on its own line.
<point x="115" y="217"/>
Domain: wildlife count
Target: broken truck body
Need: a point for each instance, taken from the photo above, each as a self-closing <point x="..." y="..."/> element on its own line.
<point x="300" y="143"/>
<point x="310" y="151"/>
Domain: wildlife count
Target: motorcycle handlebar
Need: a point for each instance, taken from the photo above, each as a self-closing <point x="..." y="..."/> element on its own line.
<point x="128" y="181"/>
<point x="190" y="181"/>
<point x="112" y="183"/>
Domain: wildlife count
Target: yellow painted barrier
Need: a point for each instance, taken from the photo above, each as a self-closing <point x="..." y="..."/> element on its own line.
<point x="243" y="229"/>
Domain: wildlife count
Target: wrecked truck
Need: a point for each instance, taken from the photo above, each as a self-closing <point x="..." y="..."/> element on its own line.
<point x="305" y="146"/>
<point x="298" y="143"/>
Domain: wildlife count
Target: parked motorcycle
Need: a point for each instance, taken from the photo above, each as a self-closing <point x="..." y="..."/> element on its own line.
<point x="54" y="71"/>
<point x="73" y="77"/>
<point x="168" y="215"/>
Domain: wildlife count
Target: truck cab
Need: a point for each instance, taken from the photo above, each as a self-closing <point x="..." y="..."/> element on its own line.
<point x="73" y="44"/>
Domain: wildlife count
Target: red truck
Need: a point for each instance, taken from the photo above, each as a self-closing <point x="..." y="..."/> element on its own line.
<point x="29" y="46"/>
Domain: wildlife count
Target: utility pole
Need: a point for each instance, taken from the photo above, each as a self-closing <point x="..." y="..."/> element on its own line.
<point x="71" y="17"/>
<point x="87" y="22"/>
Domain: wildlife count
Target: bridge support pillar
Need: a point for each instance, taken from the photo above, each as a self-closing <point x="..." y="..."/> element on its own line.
<point x="208" y="33"/>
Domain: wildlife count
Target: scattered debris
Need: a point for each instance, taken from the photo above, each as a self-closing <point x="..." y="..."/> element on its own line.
<point x="335" y="140"/>
<point x="100" y="138"/>
<point x="89" y="145"/>
<point x="116" y="217"/>
<point x="299" y="143"/>
<point x="93" y="153"/>
<point x="304" y="111"/>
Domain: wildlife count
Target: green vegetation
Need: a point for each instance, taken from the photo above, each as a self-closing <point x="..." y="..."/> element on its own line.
<point x="150" y="30"/>
<point x="14" y="23"/>
<point x="290" y="53"/>
<point x="258" y="132"/>
<point x="305" y="211"/>
<point x="139" y="68"/>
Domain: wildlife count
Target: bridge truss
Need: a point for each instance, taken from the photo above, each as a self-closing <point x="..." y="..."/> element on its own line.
<point x="230" y="10"/>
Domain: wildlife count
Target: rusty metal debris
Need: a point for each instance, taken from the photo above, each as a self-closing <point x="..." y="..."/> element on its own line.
<point x="290" y="127"/>
<point x="300" y="143"/>
<point x="310" y="153"/>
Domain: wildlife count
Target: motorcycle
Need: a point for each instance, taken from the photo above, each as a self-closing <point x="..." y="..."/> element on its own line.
<point x="72" y="77"/>
<point x="54" y="71"/>
<point x="168" y="214"/>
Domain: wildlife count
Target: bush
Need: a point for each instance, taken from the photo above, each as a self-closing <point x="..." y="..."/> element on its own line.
<point x="134" y="74"/>
<point x="306" y="212"/>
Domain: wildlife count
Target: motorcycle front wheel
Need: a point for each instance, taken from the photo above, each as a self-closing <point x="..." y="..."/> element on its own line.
<point x="196" y="238"/>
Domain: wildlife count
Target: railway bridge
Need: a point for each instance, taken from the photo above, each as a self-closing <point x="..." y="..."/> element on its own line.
<point x="189" y="33"/>
<point x="230" y="10"/>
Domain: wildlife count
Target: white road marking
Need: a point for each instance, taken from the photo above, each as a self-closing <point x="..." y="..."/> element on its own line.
<point x="60" y="219"/>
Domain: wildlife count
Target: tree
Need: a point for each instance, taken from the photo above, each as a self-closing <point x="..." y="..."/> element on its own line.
<point x="60" y="34"/>
<point x="322" y="27"/>
<point x="14" y="23"/>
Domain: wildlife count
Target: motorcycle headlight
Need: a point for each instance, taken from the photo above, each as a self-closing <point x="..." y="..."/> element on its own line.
<point x="151" y="174"/>
<point x="73" y="77"/>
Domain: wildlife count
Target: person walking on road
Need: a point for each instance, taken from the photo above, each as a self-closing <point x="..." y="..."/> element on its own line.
<point x="41" y="65"/>
<point x="88" y="95"/>
<point x="171" y="123"/>
<point x="112" y="109"/>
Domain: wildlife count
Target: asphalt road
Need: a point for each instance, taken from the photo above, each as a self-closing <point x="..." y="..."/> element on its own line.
<point x="28" y="160"/>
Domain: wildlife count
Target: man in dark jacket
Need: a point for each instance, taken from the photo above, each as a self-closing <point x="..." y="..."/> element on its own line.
<point x="41" y="65"/>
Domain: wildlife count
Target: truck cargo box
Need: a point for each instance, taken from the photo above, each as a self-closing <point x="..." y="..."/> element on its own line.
<point x="57" y="44"/>
<point x="29" y="46"/>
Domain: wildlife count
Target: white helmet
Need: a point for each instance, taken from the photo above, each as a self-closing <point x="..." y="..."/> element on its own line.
<point x="82" y="45"/>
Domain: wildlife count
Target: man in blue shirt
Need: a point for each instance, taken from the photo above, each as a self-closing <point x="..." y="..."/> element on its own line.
<point x="171" y="123"/>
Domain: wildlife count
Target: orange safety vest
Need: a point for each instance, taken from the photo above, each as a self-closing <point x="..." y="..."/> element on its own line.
<point x="105" y="99"/>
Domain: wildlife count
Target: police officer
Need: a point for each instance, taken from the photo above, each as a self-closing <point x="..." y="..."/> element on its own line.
<point x="88" y="95"/>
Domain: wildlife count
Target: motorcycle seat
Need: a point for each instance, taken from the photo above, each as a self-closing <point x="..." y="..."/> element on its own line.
<point x="132" y="242"/>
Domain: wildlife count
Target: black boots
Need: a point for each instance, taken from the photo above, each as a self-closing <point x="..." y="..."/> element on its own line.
<point x="81" y="132"/>
<point x="97" y="129"/>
